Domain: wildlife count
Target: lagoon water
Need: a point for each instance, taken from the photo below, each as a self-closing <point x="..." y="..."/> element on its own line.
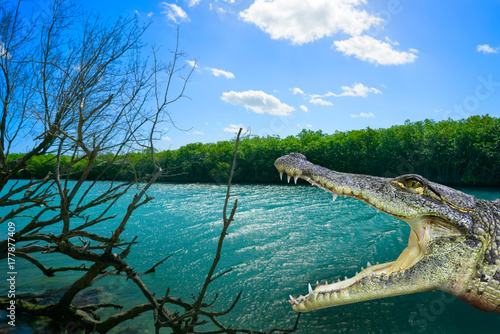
<point x="284" y="237"/>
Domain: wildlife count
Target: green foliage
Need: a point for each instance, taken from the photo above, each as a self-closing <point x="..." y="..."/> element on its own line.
<point x="463" y="152"/>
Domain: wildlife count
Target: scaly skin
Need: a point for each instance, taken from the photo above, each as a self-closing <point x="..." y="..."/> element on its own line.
<point x="453" y="245"/>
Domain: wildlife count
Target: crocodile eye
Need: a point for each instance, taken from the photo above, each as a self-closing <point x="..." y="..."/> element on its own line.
<point x="413" y="184"/>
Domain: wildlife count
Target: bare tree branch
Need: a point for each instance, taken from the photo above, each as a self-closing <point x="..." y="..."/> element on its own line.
<point x="75" y="91"/>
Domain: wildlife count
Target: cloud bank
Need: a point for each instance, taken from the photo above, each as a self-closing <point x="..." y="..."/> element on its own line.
<point x="303" y="21"/>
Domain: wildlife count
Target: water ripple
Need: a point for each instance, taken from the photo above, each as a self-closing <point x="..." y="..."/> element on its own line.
<point x="284" y="237"/>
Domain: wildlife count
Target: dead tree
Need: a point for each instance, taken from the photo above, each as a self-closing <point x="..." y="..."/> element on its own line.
<point x="79" y="88"/>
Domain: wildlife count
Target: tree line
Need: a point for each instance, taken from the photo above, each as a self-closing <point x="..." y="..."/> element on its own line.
<point x="455" y="152"/>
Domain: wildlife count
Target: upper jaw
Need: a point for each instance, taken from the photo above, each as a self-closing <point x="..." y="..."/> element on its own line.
<point x="375" y="191"/>
<point x="384" y="194"/>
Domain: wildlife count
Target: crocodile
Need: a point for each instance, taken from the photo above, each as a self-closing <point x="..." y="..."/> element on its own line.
<point x="453" y="245"/>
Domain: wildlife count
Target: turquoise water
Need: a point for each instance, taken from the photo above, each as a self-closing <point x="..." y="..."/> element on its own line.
<point x="284" y="237"/>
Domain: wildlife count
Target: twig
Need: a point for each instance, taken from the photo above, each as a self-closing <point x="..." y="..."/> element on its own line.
<point x="223" y="234"/>
<point x="153" y="269"/>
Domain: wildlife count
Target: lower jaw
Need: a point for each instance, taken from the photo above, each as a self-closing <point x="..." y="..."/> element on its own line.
<point x="363" y="289"/>
<point x="409" y="257"/>
<point x="377" y="281"/>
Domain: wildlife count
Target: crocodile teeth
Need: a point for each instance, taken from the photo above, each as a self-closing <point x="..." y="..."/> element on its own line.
<point x="288" y="178"/>
<point x="368" y="264"/>
<point x="311" y="291"/>
<point x="281" y="175"/>
<point x="293" y="300"/>
<point x="295" y="178"/>
<point x="335" y="197"/>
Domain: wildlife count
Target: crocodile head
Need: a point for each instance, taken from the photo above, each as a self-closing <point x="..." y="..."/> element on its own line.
<point x="452" y="244"/>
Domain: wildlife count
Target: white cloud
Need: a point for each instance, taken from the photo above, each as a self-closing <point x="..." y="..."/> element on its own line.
<point x="235" y="128"/>
<point x="296" y="90"/>
<point x="364" y="115"/>
<point x="374" y="51"/>
<point x="217" y="72"/>
<point x="303" y="21"/>
<point x="358" y="90"/>
<point x="258" y="102"/>
<point x="388" y="40"/>
<point x="174" y="12"/>
<point x="304" y="108"/>
<point x="166" y="138"/>
<point x="223" y="11"/>
<point x="315" y="96"/>
<point x="197" y="133"/>
<point x="486" y="48"/>
<point x="150" y="14"/>
<point x="309" y="125"/>
<point x="193" y="3"/>
<point x="317" y="100"/>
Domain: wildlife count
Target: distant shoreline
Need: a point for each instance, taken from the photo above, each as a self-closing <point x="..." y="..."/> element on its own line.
<point x="453" y="152"/>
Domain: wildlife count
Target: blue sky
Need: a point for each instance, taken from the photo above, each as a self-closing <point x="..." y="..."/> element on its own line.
<point x="279" y="66"/>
